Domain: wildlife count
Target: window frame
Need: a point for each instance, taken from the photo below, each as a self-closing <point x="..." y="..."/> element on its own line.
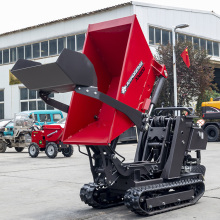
<point x="154" y="27"/>
<point x="36" y="100"/>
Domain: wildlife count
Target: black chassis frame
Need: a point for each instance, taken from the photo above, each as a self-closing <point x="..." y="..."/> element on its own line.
<point x="175" y="137"/>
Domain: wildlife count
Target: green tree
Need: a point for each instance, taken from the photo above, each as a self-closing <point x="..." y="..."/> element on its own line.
<point x="192" y="82"/>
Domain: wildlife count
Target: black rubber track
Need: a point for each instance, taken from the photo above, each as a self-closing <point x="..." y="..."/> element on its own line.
<point x="133" y="195"/>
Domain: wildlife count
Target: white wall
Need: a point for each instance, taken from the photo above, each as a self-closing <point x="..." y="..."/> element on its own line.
<point x="63" y="28"/>
<point x="68" y="27"/>
<point x="202" y="24"/>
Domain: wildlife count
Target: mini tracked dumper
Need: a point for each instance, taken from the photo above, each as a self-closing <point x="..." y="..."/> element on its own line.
<point x="112" y="81"/>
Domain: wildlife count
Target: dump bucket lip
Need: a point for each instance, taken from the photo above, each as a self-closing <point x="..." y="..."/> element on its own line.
<point x="70" y="69"/>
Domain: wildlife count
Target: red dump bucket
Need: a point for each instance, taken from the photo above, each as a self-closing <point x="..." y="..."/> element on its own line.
<point x="126" y="71"/>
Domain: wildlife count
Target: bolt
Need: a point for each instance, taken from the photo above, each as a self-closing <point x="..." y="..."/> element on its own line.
<point x="141" y="200"/>
<point x="193" y="197"/>
<point x="87" y="90"/>
<point x="183" y="142"/>
<point x="163" y="203"/>
<point x="95" y="93"/>
<point x="178" y="200"/>
<point x="79" y="88"/>
<point x="150" y="206"/>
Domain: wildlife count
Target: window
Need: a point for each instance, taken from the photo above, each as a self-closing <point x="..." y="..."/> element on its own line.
<point x="41" y="105"/>
<point x="45" y="118"/>
<point x="189" y="38"/>
<point x="44" y="49"/>
<point x="6" y="56"/>
<point x="32" y="105"/>
<point x="196" y="43"/>
<point x="30" y="100"/>
<point x="203" y="44"/>
<point x="151" y="35"/>
<point x="36" y="50"/>
<point x="181" y="37"/>
<point x="1" y="57"/>
<point x="71" y="42"/>
<point x="23" y="93"/>
<point x="171" y="37"/>
<point x="50" y="107"/>
<point x="165" y="37"/>
<point x="209" y="47"/>
<point x="2" y="104"/>
<point x="216" y="48"/>
<point x="35" y="117"/>
<point x="12" y="54"/>
<point x="161" y="36"/>
<point x="53" y="47"/>
<point x="157" y="36"/>
<point x="80" y="41"/>
<point x="20" y="52"/>
<point x="56" y="117"/>
<point x="32" y="94"/>
<point x="28" y="54"/>
<point x="61" y="44"/>
<point x="24" y="106"/>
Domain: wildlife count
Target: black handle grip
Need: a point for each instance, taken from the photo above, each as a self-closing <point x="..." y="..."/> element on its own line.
<point x="175" y="108"/>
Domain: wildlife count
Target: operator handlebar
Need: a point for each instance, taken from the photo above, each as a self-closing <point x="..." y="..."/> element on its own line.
<point x="190" y="110"/>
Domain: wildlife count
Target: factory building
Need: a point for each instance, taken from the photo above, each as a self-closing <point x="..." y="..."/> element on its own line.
<point x="44" y="42"/>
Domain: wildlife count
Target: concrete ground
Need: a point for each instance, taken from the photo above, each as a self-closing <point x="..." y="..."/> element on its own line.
<point x="42" y="188"/>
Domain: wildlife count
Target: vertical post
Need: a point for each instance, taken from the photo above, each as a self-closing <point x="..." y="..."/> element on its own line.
<point x="174" y="69"/>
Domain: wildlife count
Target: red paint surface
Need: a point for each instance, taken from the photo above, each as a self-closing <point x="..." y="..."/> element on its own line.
<point x="42" y="135"/>
<point x="115" y="48"/>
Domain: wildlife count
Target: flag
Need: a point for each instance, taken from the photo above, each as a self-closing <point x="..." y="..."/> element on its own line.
<point x="185" y="57"/>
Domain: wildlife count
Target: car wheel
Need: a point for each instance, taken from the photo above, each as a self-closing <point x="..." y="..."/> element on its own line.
<point x="212" y="132"/>
<point x="51" y="150"/>
<point x="19" y="149"/>
<point x="68" y="151"/>
<point x="3" y="147"/>
<point x="33" y="150"/>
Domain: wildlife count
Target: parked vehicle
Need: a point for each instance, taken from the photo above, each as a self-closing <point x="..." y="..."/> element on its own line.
<point x="40" y="116"/>
<point x="8" y="129"/>
<point x="48" y="139"/>
<point x="3" y="124"/>
<point x="211" y="112"/>
<point x="18" y="132"/>
<point x="21" y="133"/>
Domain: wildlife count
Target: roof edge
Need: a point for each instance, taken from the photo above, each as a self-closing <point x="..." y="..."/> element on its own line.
<point x="67" y="18"/>
<point x="136" y="3"/>
<point x="174" y="8"/>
